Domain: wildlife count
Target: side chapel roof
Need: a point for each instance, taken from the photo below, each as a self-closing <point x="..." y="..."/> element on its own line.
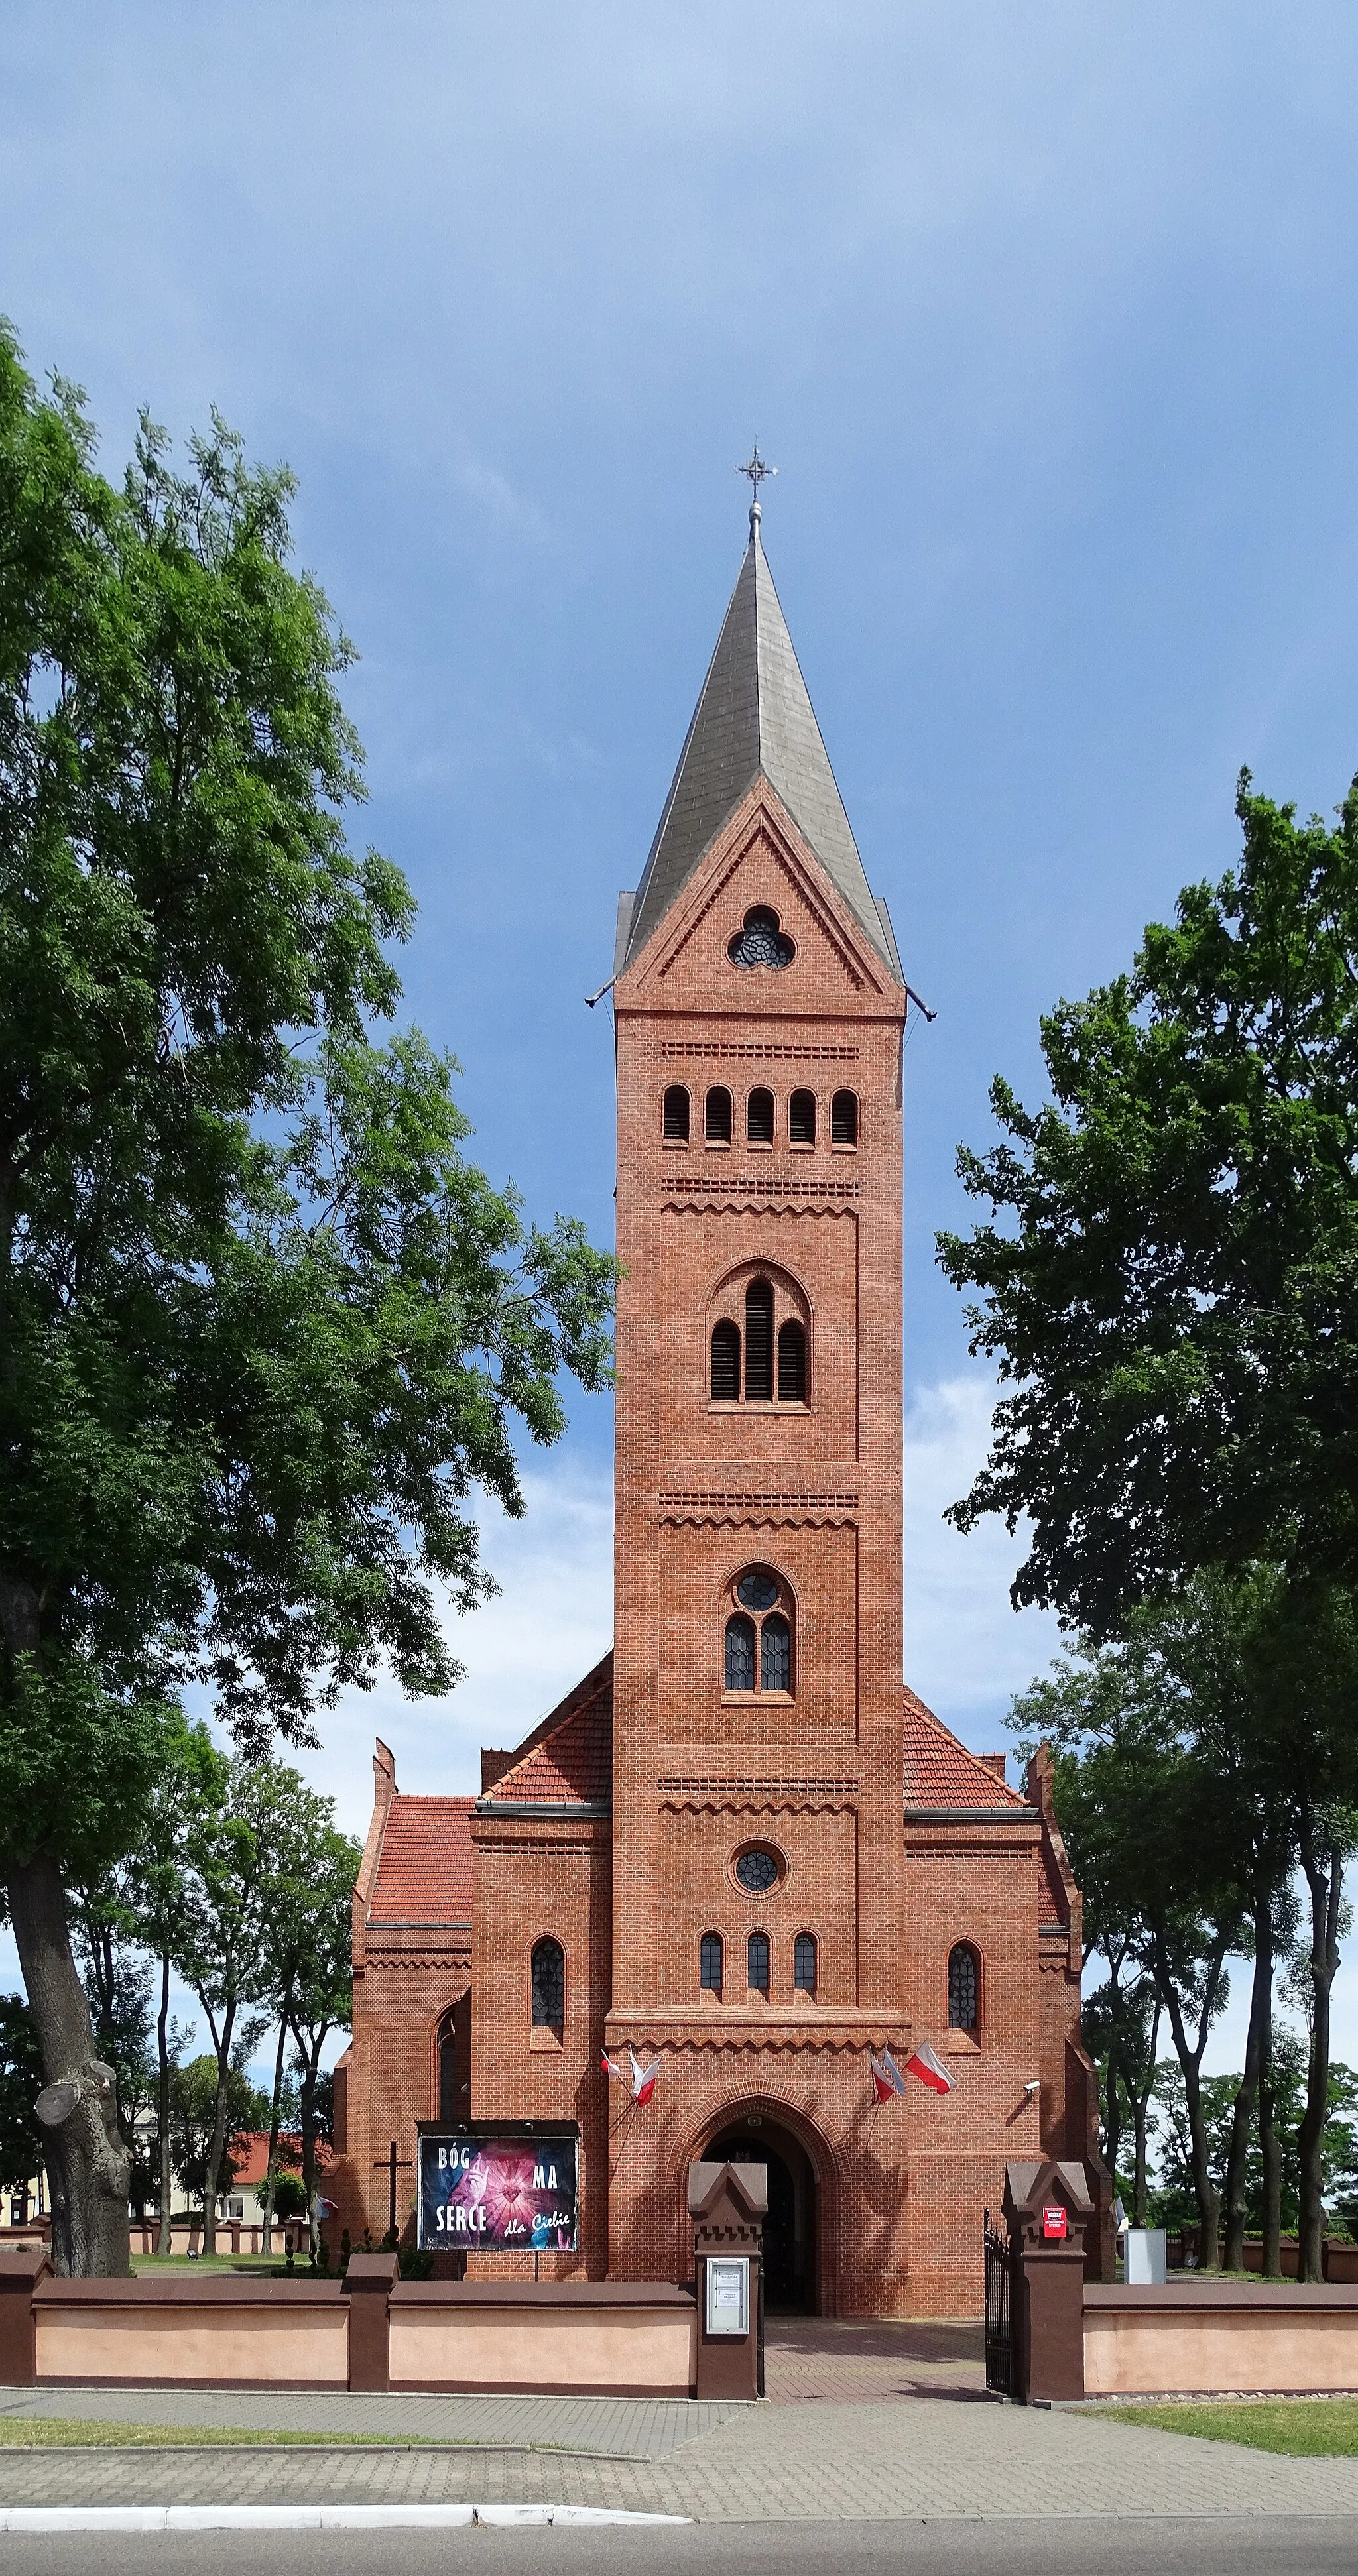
<point x="753" y="718"/>
<point x="424" y="1870"/>
<point x="568" y="1758"/>
<point x="940" y="1772"/>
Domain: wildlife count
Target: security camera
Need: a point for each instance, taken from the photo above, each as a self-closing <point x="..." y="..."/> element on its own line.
<point x="1034" y="2087"/>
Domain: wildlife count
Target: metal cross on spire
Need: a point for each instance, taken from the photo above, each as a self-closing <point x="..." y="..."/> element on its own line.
<point x="756" y="472"/>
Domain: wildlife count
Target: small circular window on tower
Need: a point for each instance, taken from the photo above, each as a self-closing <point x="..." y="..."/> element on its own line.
<point x="762" y="942"/>
<point x="757" y="1870"/>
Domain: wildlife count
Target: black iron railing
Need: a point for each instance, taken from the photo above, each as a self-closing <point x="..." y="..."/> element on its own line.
<point x="999" y="2334"/>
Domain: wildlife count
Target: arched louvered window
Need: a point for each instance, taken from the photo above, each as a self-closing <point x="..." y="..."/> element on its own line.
<point x="676" y="1115"/>
<point x="844" y="1118"/>
<point x="740" y="1653"/>
<point x="775" y="1654"/>
<point x="801" y="1118"/>
<point x="710" y="1962"/>
<point x="964" y="1987"/>
<point x="758" y="1342"/>
<point x="717" y="1116"/>
<point x="549" y="1985"/>
<point x="759" y="1118"/>
<point x="757" y="1962"/>
<point x="791" y="1363"/>
<point x="804" y="1963"/>
<point x="726" y="1362"/>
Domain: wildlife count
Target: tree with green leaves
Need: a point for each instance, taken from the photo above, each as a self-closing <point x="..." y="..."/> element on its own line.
<point x="322" y="1993"/>
<point x="1169" y="1280"/>
<point x="206" y="2158"/>
<point x="20" y="2085"/>
<point x="190" y="1791"/>
<point x="263" y="1328"/>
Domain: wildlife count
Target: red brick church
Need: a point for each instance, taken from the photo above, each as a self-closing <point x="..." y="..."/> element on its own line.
<point x="741" y="1846"/>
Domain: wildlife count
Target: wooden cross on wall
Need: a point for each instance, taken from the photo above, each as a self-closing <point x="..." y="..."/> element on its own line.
<point x="391" y="2165"/>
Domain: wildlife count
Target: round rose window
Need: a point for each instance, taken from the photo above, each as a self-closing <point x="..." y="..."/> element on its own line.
<point x="757" y="1871"/>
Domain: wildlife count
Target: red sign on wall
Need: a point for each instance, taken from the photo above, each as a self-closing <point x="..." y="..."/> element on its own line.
<point x="1053" y="2222"/>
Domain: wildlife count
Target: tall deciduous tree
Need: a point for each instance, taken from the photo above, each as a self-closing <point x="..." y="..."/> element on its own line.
<point x="262" y="1328"/>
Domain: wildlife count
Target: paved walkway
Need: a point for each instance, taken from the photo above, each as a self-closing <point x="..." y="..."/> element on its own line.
<point x="908" y="2434"/>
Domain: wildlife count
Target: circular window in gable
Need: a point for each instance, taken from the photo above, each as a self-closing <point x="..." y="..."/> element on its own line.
<point x="762" y="942"/>
<point x="757" y="1869"/>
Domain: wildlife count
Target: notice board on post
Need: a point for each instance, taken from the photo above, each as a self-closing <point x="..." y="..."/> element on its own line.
<point x="511" y="2185"/>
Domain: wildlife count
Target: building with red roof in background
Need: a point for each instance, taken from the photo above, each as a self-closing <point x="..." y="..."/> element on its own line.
<point x="740" y="1848"/>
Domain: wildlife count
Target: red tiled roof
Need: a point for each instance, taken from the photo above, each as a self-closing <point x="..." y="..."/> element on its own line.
<point x="939" y="1772"/>
<point x="575" y="1761"/>
<point x="250" y="2155"/>
<point x="425" y="1871"/>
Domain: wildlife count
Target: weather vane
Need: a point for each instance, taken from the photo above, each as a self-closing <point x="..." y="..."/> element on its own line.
<point x="755" y="471"/>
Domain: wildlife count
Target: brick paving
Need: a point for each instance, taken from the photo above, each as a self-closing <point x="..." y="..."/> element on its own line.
<point x="908" y="2434"/>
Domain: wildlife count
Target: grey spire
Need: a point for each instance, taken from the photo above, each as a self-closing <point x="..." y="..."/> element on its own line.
<point x="753" y="716"/>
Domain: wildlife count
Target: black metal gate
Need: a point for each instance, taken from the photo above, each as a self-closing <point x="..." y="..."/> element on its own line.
<point x="999" y="2334"/>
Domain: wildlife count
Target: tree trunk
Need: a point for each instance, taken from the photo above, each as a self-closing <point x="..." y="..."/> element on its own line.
<point x="1190" y="2059"/>
<point x="1242" y="2115"/>
<point x="274" y="2117"/>
<point x="1270" y="2152"/>
<point x="217" y="2149"/>
<point x="1323" y="1863"/>
<point x="1141" y="2104"/>
<point x="165" y="2239"/>
<point x="87" y="2164"/>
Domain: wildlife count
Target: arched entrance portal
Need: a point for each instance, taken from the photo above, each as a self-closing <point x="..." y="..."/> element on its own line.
<point x="790" y="2228"/>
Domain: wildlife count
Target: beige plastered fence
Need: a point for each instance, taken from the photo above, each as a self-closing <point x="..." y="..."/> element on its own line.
<point x="1220" y="2337"/>
<point x="369" y="2331"/>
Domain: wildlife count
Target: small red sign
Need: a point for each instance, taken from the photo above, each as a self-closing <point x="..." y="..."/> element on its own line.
<point x="1053" y="2222"/>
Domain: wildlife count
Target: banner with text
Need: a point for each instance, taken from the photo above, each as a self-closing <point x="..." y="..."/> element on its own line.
<point x="483" y="2191"/>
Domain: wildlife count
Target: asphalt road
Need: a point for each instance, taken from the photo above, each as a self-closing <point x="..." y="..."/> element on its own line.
<point x="1225" y="2545"/>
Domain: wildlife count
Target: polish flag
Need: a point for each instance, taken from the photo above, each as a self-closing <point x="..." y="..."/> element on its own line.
<point x="886" y="2074"/>
<point x="923" y="2063"/>
<point x="613" y="2067"/>
<point x="643" y="2077"/>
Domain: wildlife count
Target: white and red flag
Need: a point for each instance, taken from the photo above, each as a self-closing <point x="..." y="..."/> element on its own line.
<point x="886" y="2074"/>
<point x="888" y="2079"/>
<point x="613" y="2066"/>
<point x="643" y="2077"/>
<point x="923" y="2063"/>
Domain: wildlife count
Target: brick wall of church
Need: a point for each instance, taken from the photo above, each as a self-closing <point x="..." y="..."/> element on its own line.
<point x="391" y="2075"/>
<point x="534" y="1876"/>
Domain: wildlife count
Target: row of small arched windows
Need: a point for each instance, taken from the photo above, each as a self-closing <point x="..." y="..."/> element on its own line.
<point x="758" y="1961"/>
<point x="760" y="1117"/>
<point x="756" y="1382"/>
<point x="549" y="1959"/>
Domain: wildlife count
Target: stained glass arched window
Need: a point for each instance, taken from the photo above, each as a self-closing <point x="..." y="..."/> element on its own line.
<point x="710" y="1962"/>
<point x="549" y="1985"/>
<point x="757" y="1962"/>
<point x="804" y="1963"/>
<point x="775" y="1654"/>
<point x="964" y="1987"/>
<point x="740" y="1653"/>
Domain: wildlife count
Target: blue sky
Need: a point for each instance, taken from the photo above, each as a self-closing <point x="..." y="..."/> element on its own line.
<point x="1046" y="316"/>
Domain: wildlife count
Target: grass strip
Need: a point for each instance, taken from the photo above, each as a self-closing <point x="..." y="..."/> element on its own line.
<point x="1304" y="2427"/>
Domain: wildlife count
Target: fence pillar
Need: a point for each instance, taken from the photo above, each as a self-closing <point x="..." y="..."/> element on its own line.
<point x="21" y="2269"/>
<point x="1048" y="2208"/>
<point x="728" y="2204"/>
<point x="368" y="2283"/>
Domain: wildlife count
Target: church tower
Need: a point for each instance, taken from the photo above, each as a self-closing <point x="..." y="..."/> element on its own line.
<point x="758" y="1866"/>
